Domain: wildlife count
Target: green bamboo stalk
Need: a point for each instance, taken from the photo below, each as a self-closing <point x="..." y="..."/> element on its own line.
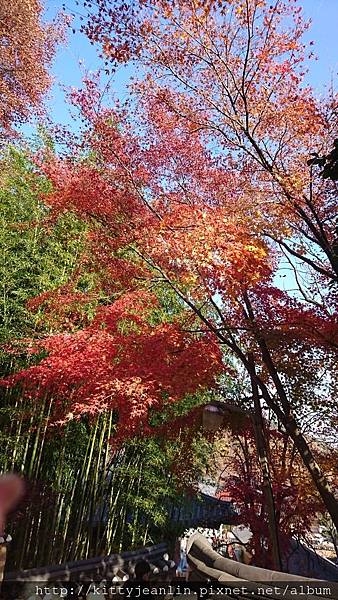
<point x="84" y="497"/>
<point x="104" y="474"/>
<point x="113" y="516"/>
<point x="145" y="534"/>
<point x="7" y="452"/>
<point x="37" y="432"/>
<point x="17" y="442"/>
<point x="33" y="547"/>
<point x="97" y="485"/>
<point x="135" y="518"/>
<point x="45" y="420"/>
<point x="56" y="515"/>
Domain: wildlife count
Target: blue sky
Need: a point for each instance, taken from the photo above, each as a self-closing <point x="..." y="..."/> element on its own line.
<point x="324" y="32"/>
<point x="67" y="67"/>
<point x="73" y="59"/>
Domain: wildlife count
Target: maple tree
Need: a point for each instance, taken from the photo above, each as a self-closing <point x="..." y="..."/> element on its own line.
<point x="296" y="501"/>
<point x="227" y="126"/>
<point x="27" y="48"/>
<point x="206" y="252"/>
<point x="204" y="247"/>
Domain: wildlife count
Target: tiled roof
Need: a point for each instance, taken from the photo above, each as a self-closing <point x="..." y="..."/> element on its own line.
<point x="204" y="510"/>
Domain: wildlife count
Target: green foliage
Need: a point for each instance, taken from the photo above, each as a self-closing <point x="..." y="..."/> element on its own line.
<point x="35" y="257"/>
<point x="180" y="408"/>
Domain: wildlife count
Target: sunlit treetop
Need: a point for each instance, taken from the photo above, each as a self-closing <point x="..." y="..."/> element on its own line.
<point x="234" y="71"/>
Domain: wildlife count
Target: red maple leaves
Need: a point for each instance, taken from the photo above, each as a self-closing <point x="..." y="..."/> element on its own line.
<point x="122" y="363"/>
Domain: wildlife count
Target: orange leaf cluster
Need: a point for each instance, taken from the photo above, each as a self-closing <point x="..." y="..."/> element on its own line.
<point x="27" y="47"/>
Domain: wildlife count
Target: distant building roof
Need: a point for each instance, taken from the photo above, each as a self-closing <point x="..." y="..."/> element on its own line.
<point x="208" y="489"/>
<point x="204" y="511"/>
